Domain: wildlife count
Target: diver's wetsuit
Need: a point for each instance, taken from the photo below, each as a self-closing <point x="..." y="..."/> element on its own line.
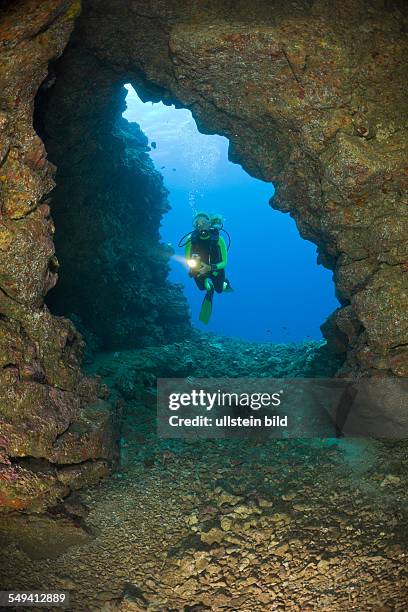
<point x="212" y="250"/>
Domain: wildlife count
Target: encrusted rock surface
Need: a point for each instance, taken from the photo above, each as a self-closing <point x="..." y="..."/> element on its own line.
<point x="222" y="525"/>
<point x="50" y="413"/>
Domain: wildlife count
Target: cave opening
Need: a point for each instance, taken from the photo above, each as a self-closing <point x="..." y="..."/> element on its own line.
<point x="120" y="278"/>
<point x="109" y="205"/>
<point x="109" y="201"/>
<point x="271" y="267"/>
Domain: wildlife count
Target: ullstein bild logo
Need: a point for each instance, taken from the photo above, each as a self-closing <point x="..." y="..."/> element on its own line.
<point x="282" y="408"/>
<point x="228" y="421"/>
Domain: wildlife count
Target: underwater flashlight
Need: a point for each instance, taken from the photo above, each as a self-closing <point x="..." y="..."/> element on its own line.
<point x="194" y="262"/>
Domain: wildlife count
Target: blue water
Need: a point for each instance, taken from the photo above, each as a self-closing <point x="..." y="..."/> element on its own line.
<point x="280" y="295"/>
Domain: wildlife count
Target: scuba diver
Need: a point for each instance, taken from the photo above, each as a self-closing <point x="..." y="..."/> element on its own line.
<point x="206" y="256"/>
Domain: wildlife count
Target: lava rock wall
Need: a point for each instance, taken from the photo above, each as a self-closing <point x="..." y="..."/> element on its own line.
<point x="57" y="432"/>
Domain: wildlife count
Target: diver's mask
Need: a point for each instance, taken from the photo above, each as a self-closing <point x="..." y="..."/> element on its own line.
<point x="217" y="223"/>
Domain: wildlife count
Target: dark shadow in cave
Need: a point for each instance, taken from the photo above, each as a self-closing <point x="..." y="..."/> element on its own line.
<point x="107" y="205"/>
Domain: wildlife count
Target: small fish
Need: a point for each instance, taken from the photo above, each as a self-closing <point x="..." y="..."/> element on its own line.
<point x="190" y="380"/>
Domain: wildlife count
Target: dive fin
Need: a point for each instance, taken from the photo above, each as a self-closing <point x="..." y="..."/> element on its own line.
<point x="206" y="308"/>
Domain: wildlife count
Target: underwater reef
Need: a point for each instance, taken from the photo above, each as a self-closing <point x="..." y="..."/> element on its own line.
<point x="312" y="97"/>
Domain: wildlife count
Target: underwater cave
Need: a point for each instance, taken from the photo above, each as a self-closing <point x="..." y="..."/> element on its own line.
<point x="93" y="310"/>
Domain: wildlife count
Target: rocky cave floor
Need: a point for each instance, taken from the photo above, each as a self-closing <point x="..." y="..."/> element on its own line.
<point x="221" y="524"/>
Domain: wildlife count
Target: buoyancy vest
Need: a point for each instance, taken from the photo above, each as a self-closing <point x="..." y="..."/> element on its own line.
<point x="206" y="247"/>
